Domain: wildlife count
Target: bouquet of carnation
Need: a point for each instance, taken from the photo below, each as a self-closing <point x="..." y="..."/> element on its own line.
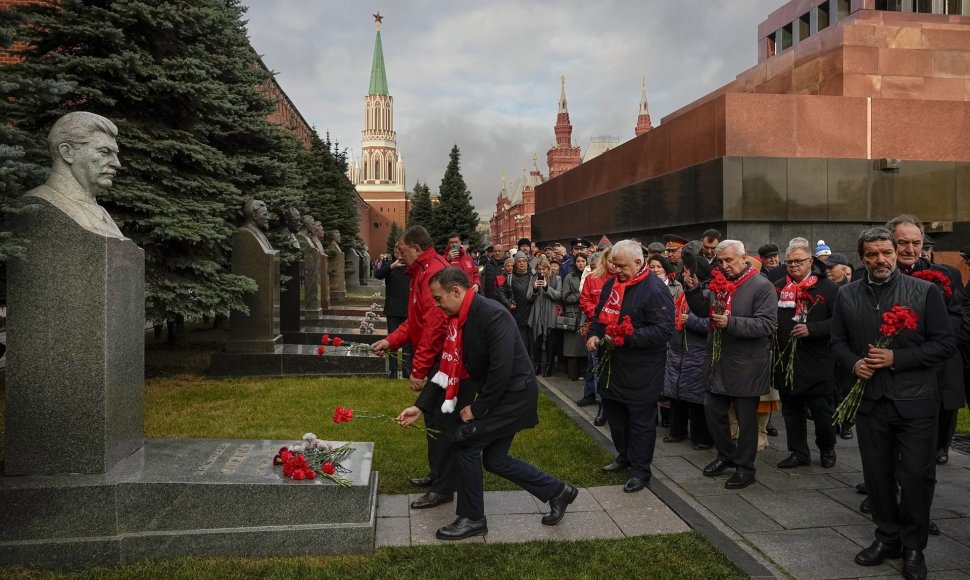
<point x="325" y="340"/>
<point x="721" y="290"/>
<point x="313" y="457"/>
<point x="895" y="320"/>
<point x="366" y="327"/>
<point x="803" y="306"/>
<point x="618" y="333"/>
<point x="345" y="415"/>
<point x="941" y="280"/>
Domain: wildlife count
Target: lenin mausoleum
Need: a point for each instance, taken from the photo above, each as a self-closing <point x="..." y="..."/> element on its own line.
<point x="857" y="111"/>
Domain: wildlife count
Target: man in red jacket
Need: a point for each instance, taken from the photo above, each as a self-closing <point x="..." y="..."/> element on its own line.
<point x="425" y="330"/>
<point x="456" y="256"/>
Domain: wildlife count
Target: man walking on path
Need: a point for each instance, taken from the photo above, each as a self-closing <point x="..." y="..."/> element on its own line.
<point x="897" y="418"/>
<point x="424" y="329"/>
<point x="492" y="389"/>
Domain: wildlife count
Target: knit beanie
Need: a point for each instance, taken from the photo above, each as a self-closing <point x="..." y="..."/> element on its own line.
<point x="822" y="250"/>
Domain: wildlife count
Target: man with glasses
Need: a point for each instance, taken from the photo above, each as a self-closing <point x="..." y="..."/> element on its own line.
<point x="805" y="304"/>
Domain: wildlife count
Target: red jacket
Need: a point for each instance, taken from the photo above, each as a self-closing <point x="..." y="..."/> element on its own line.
<point x="426" y="323"/>
<point x="466" y="263"/>
<point x="590" y="296"/>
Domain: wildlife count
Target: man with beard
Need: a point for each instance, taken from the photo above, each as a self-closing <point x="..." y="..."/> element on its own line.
<point x="897" y="418"/>
<point x="494" y="264"/>
<point x="634" y="382"/>
<point x="746" y="317"/>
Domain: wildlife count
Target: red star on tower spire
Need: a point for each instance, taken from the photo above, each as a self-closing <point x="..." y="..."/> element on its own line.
<point x="377" y="19"/>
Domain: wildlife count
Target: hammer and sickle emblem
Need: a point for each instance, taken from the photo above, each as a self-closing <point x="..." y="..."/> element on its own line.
<point x="614" y="299"/>
<point x="452" y="333"/>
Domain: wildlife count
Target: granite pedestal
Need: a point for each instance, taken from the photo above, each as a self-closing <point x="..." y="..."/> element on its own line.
<point x="336" y="273"/>
<point x="254" y="257"/>
<point x="313" y="335"/>
<point x="76" y="359"/>
<point x="186" y="497"/>
<point x="338" y="321"/>
<point x="291" y="301"/>
<point x="297" y="359"/>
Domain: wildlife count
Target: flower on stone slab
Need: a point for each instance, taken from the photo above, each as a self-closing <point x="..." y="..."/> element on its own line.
<point x="337" y="341"/>
<point x="320" y="350"/>
<point x="327" y="468"/>
<point x="325" y="339"/>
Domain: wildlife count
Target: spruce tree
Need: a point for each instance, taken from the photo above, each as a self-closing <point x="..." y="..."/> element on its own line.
<point x="182" y="83"/>
<point x="455" y="213"/>
<point x="422" y="212"/>
<point x="330" y="196"/>
<point x="392" y="237"/>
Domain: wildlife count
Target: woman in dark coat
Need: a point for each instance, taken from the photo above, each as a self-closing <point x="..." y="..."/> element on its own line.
<point x="514" y="296"/>
<point x="573" y="345"/>
<point x="688" y="361"/>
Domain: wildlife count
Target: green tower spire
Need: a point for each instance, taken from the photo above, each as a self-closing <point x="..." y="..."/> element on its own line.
<point x="378" y="78"/>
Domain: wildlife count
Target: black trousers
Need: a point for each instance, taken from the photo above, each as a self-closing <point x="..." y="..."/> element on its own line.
<point x="633" y="428"/>
<point x="895" y="449"/>
<point x="526" y="333"/>
<point x="688" y="420"/>
<point x="946" y="427"/>
<point x="796" y="423"/>
<point x="544" y="343"/>
<point x="405" y="354"/>
<point x="494" y="456"/>
<point x="742" y="453"/>
<point x="440" y="447"/>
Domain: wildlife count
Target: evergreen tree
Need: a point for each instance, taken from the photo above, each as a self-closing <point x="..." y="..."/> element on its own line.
<point x="392" y="237"/>
<point x="182" y="83"/>
<point x="455" y="213"/>
<point x="331" y="197"/>
<point x="422" y="212"/>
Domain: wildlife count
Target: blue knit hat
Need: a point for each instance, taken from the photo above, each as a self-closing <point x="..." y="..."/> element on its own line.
<point x="822" y="250"/>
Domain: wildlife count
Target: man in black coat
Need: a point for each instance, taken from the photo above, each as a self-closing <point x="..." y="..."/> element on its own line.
<point x="805" y="304"/>
<point x="396" y="294"/>
<point x="497" y="398"/>
<point x="634" y="379"/>
<point x="897" y="419"/>
<point x="494" y="265"/>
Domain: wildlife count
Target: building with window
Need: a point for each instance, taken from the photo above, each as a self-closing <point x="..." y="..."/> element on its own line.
<point x="857" y="111"/>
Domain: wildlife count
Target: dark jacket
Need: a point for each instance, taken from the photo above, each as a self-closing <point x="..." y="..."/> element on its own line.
<point x="952" y="387"/>
<point x="636" y="369"/>
<point x="491" y="269"/>
<point x="425" y="324"/>
<point x="516" y="291"/>
<point x="396" y="289"/>
<point x="502" y="388"/>
<point x="814" y="367"/>
<point x="744" y="368"/>
<point x="688" y="365"/>
<point x="911" y="383"/>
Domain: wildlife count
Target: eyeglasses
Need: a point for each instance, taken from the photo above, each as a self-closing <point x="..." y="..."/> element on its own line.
<point x="796" y="262"/>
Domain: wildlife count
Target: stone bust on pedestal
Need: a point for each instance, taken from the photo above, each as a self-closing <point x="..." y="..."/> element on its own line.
<point x="253" y="256"/>
<point x="85" y="156"/>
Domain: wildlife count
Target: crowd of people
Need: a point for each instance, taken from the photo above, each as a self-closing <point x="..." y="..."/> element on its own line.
<point x="708" y="340"/>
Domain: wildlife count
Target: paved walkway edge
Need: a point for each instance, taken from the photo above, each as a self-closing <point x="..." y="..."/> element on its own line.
<point x="752" y="562"/>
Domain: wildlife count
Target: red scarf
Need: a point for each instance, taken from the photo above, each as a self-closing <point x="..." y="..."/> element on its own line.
<point x="791" y="293"/>
<point x="723" y="289"/>
<point x="610" y="314"/>
<point x="680" y="308"/>
<point x="451" y="371"/>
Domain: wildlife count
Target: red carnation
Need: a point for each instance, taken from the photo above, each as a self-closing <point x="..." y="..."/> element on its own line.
<point x="328" y="468"/>
<point x="320" y="350"/>
<point x="298" y="474"/>
<point x="338" y="341"/>
<point x="342" y="415"/>
<point x="310" y="474"/>
<point x="938" y="278"/>
<point x="325" y="339"/>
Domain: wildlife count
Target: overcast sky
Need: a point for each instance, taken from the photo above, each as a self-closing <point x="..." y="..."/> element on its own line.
<point x="485" y="74"/>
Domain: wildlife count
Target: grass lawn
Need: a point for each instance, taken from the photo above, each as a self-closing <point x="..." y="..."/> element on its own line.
<point x="261" y="408"/>
<point x="675" y="556"/>
<point x="963" y="421"/>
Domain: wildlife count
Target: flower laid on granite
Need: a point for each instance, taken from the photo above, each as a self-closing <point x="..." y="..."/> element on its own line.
<point x="372" y="315"/>
<point x="337" y="341"/>
<point x="321" y="349"/>
<point x="895" y="320"/>
<point x="344" y="415"/>
<point x="366" y="327"/>
<point x="313" y="457"/>
<point x="325" y="339"/>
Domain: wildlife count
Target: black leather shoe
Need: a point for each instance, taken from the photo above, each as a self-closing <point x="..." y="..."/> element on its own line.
<point x="586" y="401"/>
<point x="672" y="439"/>
<point x="934" y="530"/>
<point x="616" y="467"/>
<point x="700" y="446"/>
<point x="878" y="552"/>
<point x="430" y="500"/>
<point x="634" y="484"/>
<point x="771" y="431"/>
<point x="717" y="467"/>
<point x="558" y="505"/>
<point x="420" y="481"/>
<point x="846" y="432"/>
<point x="793" y="461"/>
<point x="861" y="488"/>
<point x="828" y="459"/>
<point x="600" y="418"/>
<point x="914" y="565"/>
<point x="740" y="480"/>
<point x="462" y="528"/>
<point x="942" y="457"/>
<point x="865" y="507"/>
